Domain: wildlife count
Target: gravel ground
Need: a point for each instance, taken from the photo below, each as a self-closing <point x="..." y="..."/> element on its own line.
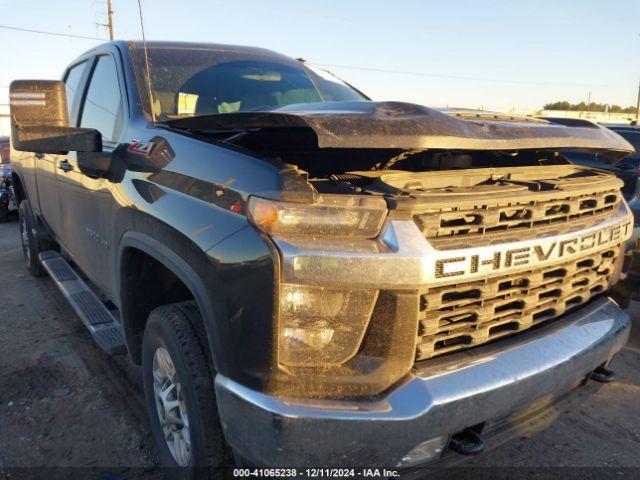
<point x="65" y="404"/>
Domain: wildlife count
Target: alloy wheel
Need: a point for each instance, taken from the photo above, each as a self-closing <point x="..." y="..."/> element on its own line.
<point x="171" y="406"/>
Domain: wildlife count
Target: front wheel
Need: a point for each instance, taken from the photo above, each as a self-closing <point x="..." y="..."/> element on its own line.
<point x="180" y="396"/>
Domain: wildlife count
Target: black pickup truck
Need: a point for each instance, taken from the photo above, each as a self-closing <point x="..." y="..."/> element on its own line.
<point x="310" y="278"/>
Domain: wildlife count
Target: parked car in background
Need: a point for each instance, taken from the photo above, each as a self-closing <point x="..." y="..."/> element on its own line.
<point x="5" y="148"/>
<point x="627" y="169"/>
<point x="7" y="198"/>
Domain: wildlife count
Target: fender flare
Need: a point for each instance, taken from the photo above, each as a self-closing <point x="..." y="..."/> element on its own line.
<point x="187" y="275"/>
<point x="15" y="174"/>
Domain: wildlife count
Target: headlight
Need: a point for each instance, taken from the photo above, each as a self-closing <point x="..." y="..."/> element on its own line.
<point x="328" y="215"/>
<point x="322" y="326"/>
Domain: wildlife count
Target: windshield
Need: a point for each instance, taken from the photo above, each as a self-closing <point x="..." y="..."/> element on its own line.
<point x="190" y="81"/>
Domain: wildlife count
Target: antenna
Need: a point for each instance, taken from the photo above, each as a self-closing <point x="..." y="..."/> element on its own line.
<point x="146" y="62"/>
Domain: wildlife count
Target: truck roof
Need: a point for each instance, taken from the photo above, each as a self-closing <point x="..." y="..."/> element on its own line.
<point x="125" y="44"/>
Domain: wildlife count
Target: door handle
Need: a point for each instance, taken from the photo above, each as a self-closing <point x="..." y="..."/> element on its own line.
<point x="39" y="155"/>
<point x="65" y="166"/>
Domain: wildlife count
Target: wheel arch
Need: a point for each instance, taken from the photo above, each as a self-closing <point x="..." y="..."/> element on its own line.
<point x="200" y="288"/>
<point x="18" y="187"/>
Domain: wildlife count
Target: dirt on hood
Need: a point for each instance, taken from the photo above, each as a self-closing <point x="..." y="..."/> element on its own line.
<point x="390" y="125"/>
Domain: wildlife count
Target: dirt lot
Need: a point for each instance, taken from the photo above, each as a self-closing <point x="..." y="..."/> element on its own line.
<point x="65" y="404"/>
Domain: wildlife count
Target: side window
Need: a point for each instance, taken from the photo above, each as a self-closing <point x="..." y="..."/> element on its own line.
<point x="72" y="82"/>
<point x="102" y="107"/>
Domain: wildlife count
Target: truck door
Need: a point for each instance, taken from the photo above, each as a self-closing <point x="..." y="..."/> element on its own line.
<point x="87" y="202"/>
<point x="48" y="166"/>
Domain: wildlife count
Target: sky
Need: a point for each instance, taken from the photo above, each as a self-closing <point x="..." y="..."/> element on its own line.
<point x="492" y="54"/>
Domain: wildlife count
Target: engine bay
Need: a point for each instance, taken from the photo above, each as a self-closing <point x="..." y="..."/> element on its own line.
<point x="463" y="176"/>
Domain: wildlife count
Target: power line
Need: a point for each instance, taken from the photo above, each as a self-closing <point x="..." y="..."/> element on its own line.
<point x="6" y="27"/>
<point x="461" y="77"/>
<point x="380" y="70"/>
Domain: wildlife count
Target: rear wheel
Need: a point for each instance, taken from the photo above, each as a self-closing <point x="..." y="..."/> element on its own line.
<point x="179" y="392"/>
<point x="30" y="245"/>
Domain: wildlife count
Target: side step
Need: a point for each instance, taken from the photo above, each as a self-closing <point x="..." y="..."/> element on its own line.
<point x="100" y="322"/>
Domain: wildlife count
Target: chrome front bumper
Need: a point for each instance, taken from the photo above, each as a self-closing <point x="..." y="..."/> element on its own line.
<point x="443" y="397"/>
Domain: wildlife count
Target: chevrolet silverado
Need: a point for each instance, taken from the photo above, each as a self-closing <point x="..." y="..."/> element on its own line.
<point x="309" y="277"/>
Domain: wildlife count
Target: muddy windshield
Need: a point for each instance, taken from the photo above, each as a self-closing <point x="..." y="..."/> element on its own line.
<point x="191" y="81"/>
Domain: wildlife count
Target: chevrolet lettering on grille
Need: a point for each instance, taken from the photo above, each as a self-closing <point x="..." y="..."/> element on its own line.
<point x="503" y="259"/>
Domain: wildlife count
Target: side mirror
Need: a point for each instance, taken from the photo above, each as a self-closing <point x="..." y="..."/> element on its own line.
<point x="40" y="122"/>
<point x="96" y="165"/>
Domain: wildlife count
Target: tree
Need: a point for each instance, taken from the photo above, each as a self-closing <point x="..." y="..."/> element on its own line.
<point x="592" y="107"/>
<point x="563" y="105"/>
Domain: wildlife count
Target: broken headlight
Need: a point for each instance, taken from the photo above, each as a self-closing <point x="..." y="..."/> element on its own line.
<point x="329" y="215"/>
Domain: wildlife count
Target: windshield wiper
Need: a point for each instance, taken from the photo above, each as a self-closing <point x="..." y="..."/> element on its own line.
<point x="224" y="134"/>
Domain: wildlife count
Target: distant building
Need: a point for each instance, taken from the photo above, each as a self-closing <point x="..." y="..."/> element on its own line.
<point x="598" y="117"/>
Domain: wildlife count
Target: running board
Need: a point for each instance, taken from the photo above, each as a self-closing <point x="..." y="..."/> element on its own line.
<point x="100" y="322"/>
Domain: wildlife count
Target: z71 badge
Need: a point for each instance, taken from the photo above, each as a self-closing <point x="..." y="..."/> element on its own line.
<point x="143" y="148"/>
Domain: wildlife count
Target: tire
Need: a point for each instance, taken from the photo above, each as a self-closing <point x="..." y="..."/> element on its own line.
<point x="171" y="330"/>
<point x="30" y="245"/>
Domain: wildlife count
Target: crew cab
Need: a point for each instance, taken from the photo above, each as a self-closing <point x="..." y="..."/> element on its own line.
<point x="309" y="277"/>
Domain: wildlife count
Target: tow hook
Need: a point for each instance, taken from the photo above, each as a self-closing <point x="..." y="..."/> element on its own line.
<point x="603" y="375"/>
<point x="467" y="442"/>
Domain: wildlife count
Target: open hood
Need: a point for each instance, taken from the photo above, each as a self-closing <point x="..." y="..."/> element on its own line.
<point x="408" y="126"/>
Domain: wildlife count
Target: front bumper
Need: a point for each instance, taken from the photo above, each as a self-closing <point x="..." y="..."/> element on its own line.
<point x="444" y="396"/>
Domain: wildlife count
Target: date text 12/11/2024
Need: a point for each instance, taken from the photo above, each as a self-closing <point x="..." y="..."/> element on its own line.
<point x="315" y="473"/>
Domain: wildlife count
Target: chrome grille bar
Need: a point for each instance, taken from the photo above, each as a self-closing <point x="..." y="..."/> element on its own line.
<point x="500" y="216"/>
<point x="459" y="316"/>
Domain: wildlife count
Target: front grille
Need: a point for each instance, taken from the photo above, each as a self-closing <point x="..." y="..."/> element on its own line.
<point x="489" y="217"/>
<point x="463" y="315"/>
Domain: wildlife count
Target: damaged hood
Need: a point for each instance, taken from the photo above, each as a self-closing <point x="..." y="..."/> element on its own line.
<point x="366" y="124"/>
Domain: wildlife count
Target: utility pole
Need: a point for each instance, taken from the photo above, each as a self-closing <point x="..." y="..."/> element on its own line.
<point x="638" y="101"/>
<point x="110" y="18"/>
<point x="638" y="104"/>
